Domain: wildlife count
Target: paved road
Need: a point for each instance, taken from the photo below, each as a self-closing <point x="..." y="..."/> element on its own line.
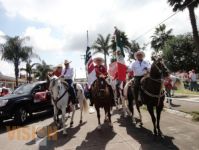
<point x="179" y="133"/>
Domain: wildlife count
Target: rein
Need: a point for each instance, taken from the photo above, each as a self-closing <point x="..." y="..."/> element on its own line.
<point x="161" y="94"/>
<point x="58" y="99"/>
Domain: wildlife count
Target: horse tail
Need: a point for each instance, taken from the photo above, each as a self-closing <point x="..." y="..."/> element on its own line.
<point x="85" y="105"/>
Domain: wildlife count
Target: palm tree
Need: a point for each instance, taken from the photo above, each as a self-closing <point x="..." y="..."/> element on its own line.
<point x="29" y="69"/>
<point x="160" y="37"/>
<point x="190" y="5"/>
<point x="122" y="41"/>
<point x="134" y="47"/>
<point x="102" y="44"/>
<point x="14" y="51"/>
<point x="42" y="70"/>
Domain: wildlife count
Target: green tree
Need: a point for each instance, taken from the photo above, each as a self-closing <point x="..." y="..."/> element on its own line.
<point x="42" y="70"/>
<point x="159" y="37"/>
<point x="121" y="40"/>
<point x="190" y="5"/>
<point x="102" y="44"/>
<point x="15" y="51"/>
<point x="179" y="53"/>
<point x="134" y="47"/>
<point x="29" y="69"/>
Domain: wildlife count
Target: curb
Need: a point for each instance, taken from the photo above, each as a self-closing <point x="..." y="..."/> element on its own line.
<point x="179" y="113"/>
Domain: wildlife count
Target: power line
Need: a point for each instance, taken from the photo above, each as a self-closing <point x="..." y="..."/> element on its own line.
<point x="162" y="21"/>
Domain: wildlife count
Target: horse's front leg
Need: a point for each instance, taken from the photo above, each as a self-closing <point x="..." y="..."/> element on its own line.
<point x="98" y="117"/>
<point x="151" y="112"/>
<point x="158" y="113"/>
<point x="73" y="113"/>
<point x="109" y="116"/>
<point x="63" y="120"/>
<point x="138" y="109"/>
<point x="55" y="116"/>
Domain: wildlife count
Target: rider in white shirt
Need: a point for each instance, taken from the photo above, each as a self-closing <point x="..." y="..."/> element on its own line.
<point x="67" y="74"/>
<point x="140" y="67"/>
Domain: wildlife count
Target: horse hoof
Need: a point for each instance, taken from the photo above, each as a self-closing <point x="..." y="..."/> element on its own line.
<point x="99" y="127"/>
<point x="65" y="133"/>
<point x="159" y="133"/>
<point x="141" y="124"/>
<point x="110" y="125"/>
<point x="155" y="133"/>
<point x="71" y="124"/>
<point x="80" y="122"/>
<point x="133" y="121"/>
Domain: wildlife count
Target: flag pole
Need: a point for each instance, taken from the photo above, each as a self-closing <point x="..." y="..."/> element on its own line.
<point x="87" y="39"/>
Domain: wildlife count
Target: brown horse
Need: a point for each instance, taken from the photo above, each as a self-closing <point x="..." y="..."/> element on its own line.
<point x="101" y="97"/>
<point x="152" y="93"/>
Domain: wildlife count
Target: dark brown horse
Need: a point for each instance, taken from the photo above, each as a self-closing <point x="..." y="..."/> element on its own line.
<point x="101" y="97"/>
<point x="152" y="93"/>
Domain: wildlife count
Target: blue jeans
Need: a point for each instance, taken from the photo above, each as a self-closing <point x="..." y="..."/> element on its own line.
<point x="71" y="91"/>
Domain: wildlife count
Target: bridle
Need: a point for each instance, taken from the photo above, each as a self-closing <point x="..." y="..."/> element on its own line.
<point x="58" y="98"/>
<point x="161" y="80"/>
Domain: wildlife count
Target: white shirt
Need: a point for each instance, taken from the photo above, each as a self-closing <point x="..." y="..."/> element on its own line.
<point x="138" y="67"/>
<point x="193" y="77"/>
<point x="67" y="73"/>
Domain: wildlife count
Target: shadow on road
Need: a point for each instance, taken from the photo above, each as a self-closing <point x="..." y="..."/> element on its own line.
<point x="97" y="139"/>
<point x="146" y="138"/>
<point x="50" y="143"/>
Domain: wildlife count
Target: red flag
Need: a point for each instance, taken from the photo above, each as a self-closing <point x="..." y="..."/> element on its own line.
<point x="118" y="71"/>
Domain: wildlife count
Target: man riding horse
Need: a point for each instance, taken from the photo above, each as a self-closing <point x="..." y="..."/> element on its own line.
<point x="140" y="68"/>
<point x="101" y="72"/>
<point x="67" y="74"/>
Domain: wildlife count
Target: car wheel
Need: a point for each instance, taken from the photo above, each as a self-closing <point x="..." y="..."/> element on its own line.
<point x="21" y="116"/>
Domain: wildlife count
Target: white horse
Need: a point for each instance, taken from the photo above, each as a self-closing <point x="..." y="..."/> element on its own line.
<point x="60" y="99"/>
<point x="121" y="99"/>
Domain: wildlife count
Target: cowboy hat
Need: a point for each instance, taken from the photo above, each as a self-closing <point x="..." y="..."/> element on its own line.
<point x="67" y="62"/>
<point x="98" y="59"/>
<point x="139" y="53"/>
<point x="59" y="66"/>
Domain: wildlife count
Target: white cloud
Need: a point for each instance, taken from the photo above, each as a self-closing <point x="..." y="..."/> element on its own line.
<point x="42" y="39"/>
<point x="73" y="17"/>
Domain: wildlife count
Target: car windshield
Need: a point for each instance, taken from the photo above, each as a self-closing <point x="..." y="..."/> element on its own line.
<point x="24" y="89"/>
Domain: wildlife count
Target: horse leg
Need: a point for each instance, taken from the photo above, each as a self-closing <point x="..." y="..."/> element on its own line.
<point x="81" y="109"/>
<point x="106" y="115"/>
<point x="73" y="110"/>
<point x="131" y="108"/>
<point x="138" y="109"/>
<point x="109" y="117"/>
<point x="151" y="112"/>
<point x="98" y="117"/>
<point x="158" y="112"/>
<point x="55" y="116"/>
<point x="80" y="122"/>
<point x="63" y="120"/>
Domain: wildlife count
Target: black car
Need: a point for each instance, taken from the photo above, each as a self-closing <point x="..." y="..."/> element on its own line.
<point x="24" y="101"/>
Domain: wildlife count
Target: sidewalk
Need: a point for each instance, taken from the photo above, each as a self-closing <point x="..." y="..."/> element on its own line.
<point x="185" y="103"/>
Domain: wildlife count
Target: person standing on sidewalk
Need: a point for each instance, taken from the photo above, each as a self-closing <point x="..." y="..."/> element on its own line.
<point x="193" y="80"/>
<point x="168" y="87"/>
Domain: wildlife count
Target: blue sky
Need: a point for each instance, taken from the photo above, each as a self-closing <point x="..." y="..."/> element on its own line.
<point x="57" y="29"/>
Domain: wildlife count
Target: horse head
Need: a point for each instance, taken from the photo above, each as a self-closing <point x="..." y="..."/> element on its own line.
<point x="158" y="68"/>
<point x="54" y="86"/>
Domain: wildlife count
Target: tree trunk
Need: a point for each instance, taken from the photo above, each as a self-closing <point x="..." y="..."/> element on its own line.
<point x="194" y="27"/>
<point x="16" y="66"/>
